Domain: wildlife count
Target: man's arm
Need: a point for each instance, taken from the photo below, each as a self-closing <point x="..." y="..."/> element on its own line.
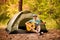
<point x="26" y="23"/>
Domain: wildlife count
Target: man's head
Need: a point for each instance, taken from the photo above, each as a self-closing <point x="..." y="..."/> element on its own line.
<point x="34" y="16"/>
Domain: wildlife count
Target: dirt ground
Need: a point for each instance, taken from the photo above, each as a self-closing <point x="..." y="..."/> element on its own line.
<point x="51" y="35"/>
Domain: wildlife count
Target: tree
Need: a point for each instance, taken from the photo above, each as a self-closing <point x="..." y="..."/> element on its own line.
<point x="20" y="5"/>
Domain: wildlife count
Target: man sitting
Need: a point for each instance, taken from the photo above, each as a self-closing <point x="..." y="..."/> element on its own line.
<point x="36" y="22"/>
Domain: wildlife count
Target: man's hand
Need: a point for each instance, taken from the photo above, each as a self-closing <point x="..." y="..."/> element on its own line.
<point x="43" y="23"/>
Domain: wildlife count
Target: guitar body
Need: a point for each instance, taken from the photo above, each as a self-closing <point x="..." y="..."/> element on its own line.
<point x="29" y="26"/>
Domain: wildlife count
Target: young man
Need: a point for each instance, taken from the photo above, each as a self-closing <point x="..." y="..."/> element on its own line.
<point x="36" y="21"/>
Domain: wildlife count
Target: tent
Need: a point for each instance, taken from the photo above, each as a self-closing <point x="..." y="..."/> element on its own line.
<point x="18" y="21"/>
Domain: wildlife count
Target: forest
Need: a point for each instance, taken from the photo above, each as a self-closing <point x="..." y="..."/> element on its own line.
<point x="47" y="10"/>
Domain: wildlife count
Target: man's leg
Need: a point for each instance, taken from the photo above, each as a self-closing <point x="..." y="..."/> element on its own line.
<point x="38" y="28"/>
<point x="33" y="30"/>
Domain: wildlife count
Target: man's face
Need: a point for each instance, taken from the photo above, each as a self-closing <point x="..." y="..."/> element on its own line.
<point x="35" y="17"/>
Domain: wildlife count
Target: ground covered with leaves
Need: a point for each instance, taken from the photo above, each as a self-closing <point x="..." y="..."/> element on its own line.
<point x="50" y="35"/>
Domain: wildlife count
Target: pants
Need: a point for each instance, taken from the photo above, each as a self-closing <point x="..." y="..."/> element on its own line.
<point x="38" y="28"/>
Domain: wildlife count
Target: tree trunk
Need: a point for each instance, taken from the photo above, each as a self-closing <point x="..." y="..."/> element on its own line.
<point x="20" y="5"/>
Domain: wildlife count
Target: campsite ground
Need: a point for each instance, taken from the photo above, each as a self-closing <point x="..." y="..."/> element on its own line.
<point x="51" y="35"/>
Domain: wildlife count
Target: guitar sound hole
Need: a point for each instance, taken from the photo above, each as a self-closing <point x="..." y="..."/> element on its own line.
<point x="32" y="26"/>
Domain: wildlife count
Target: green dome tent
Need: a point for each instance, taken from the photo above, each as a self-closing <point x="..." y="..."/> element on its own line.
<point x="18" y="20"/>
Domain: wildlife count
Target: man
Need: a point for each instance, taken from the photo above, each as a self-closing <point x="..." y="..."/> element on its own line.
<point x="36" y="21"/>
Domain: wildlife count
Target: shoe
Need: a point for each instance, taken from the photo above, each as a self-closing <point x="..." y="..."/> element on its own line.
<point x="41" y="33"/>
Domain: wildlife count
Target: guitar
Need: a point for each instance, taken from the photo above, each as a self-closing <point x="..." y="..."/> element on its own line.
<point x="30" y="26"/>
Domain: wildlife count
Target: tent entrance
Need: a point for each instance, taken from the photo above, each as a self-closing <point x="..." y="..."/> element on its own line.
<point x="22" y="23"/>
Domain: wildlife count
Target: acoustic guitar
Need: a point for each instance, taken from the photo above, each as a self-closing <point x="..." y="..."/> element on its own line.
<point x="30" y="26"/>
